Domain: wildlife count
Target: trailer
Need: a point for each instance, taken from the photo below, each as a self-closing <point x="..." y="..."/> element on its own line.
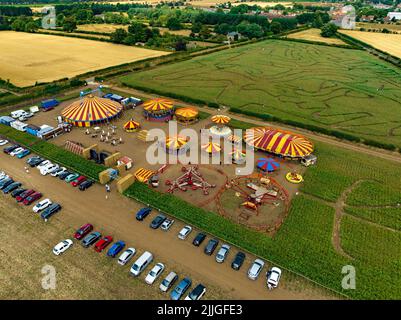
<point x="32" y="129"/>
<point x="18" y="125"/>
<point x="52" y="133"/>
<point x="49" y="104"/>
<point x="131" y="102"/>
<point x="6" y="120"/>
<point x="43" y="130"/>
<point x="114" y="97"/>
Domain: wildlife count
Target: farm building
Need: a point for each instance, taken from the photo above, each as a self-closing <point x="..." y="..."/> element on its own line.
<point x="394" y="15"/>
<point x="91" y="110"/>
<point x="279" y="142"/>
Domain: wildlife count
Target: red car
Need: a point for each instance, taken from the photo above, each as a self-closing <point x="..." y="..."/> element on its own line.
<point x="78" y="181"/>
<point x="103" y="243"/>
<point x="83" y="231"/>
<point x="25" y="194"/>
<point x="33" y="197"/>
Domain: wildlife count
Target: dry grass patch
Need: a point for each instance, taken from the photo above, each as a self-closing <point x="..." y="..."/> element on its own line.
<point x="314" y="35"/>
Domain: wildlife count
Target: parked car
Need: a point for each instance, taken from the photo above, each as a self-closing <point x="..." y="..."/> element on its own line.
<point x="156" y="222"/>
<point x="211" y="246"/>
<point x="71" y="177"/>
<point x="12" y="187"/>
<point x="273" y="277"/>
<point x="3" y="142"/>
<point x="58" y="172"/>
<point x="116" y="248"/>
<point x="83" y="231"/>
<point x="167" y="224"/>
<point x="255" y="269"/>
<point x="143" y="213"/>
<point x="41" y="205"/>
<point x="5" y="183"/>
<point x="183" y="234"/>
<point x="11" y="148"/>
<point x="238" y="260"/>
<point x="180" y="289"/>
<point x="103" y="243"/>
<point x="168" y="281"/>
<point x="197" y="293"/>
<point x="91" y="239"/>
<point x="200" y="237"/>
<point x="17" y="192"/>
<point x="33" y="197"/>
<point x="35" y="161"/>
<point x="3" y="175"/>
<point x="49" y="169"/>
<point x="16" y="151"/>
<point x="24" y="194"/>
<point x="126" y="256"/>
<point x="78" y="181"/>
<point x="43" y="164"/>
<point x="154" y="273"/>
<point x="23" y="154"/>
<point x="50" y="210"/>
<point x="85" y="185"/>
<point x="64" y="175"/>
<point x="62" y="246"/>
<point x="222" y="253"/>
<point x="141" y="263"/>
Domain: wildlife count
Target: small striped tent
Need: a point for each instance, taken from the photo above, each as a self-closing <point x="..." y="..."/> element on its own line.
<point x="143" y="175"/>
<point x="131" y="126"/>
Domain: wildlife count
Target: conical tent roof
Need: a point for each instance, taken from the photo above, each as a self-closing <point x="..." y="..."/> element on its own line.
<point x="220" y="119"/>
<point x="211" y="147"/>
<point x="131" y="125"/>
<point x="175" y="142"/>
<point x="158" y="104"/>
<point x="187" y="112"/>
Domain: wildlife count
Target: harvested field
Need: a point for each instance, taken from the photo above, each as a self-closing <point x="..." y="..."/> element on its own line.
<point x="314" y="35"/>
<point x="390" y="43"/>
<point x="379" y="26"/>
<point x="45" y="58"/>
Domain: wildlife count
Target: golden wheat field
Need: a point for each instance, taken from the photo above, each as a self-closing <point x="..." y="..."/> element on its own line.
<point x="313" y="35"/>
<point x="379" y="26"/>
<point x="27" y="58"/>
<point x="390" y="43"/>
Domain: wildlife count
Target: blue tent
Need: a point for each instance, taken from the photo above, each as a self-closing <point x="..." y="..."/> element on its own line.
<point x="268" y="164"/>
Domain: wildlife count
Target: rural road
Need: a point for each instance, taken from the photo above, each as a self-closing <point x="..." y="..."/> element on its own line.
<point x="115" y="216"/>
<point x="381" y="153"/>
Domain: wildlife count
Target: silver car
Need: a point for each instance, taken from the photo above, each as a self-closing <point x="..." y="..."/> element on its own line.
<point x="126" y="256"/>
<point x="255" y="269"/>
<point x="222" y="253"/>
<point x="168" y="281"/>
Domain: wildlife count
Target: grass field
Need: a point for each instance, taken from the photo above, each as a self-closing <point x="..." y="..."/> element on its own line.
<point x="44" y="58"/>
<point x="341" y="89"/>
<point x="314" y="35"/>
<point x="390" y="43"/>
<point x="379" y="26"/>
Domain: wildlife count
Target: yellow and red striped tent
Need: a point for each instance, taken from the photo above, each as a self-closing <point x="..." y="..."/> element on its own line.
<point x="220" y="119"/>
<point x="131" y="126"/>
<point x="186" y="113"/>
<point x="175" y="142"/>
<point x="211" y="147"/>
<point x="91" y="110"/>
<point x="158" y="104"/>
<point x="238" y="154"/>
<point x="234" y="138"/>
<point x="143" y="175"/>
<point x="279" y="142"/>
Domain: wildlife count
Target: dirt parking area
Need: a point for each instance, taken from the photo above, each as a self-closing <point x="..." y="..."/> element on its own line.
<point x="85" y="274"/>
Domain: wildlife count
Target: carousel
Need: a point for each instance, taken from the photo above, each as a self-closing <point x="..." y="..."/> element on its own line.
<point x="238" y="156"/>
<point x="176" y="144"/>
<point x="268" y="164"/>
<point x="220" y="129"/>
<point x="187" y="115"/>
<point x="91" y="110"/>
<point x="211" y="148"/>
<point x="131" y="126"/>
<point x="281" y="143"/>
<point x="158" y="110"/>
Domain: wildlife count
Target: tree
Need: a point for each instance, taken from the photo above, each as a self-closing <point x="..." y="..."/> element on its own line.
<point x="180" y="45"/>
<point x="69" y="24"/>
<point x="31" y="26"/>
<point x="329" y="30"/>
<point x="250" y="30"/>
<point x="119" y="36"/>
<point x="275" y="27"/>
<point x="18" y="24"/>
<point x="204" y="32"/>
<point x="173" y="24"/>
<point x="196" y="27"/>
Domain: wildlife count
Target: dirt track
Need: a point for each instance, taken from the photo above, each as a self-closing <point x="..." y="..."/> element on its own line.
<point x="115" y="216"/>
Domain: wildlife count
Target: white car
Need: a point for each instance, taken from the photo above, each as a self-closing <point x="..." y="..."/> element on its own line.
<point x="62" y="247"/>
<point x="273" y="277"/>
<point x="222" y="254"/>
<point x="126" y="256"/>
<point x="16" y="151"/>
<point x="167" y="224"/>
<point x="2" y="175"/>
<point x="3" y="142"/>
<point x="41" y="205"/>
<point x="49" y="169"/>
<point x="255" y="269"/>
<point x="154" y="273"/>
<point x="25" y="116"/>
<point x="58" y="172"/>
<point x="43" y="164"/>
<point x="183" y="234"/>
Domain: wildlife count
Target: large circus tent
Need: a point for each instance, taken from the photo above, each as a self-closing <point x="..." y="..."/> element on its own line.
<point x="279" y="142"/>
<point x="91" y="110"/>
<point x="158" y="109"/>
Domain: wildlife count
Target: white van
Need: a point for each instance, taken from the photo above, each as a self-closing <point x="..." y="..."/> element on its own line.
<point x="17" y="113"/>
<point x="141" y="263"/>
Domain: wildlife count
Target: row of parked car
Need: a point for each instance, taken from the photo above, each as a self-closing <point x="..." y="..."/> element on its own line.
<point x="272" y="276"/>
<point x="100" y="243"/>
<point x="27" y="196"/>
